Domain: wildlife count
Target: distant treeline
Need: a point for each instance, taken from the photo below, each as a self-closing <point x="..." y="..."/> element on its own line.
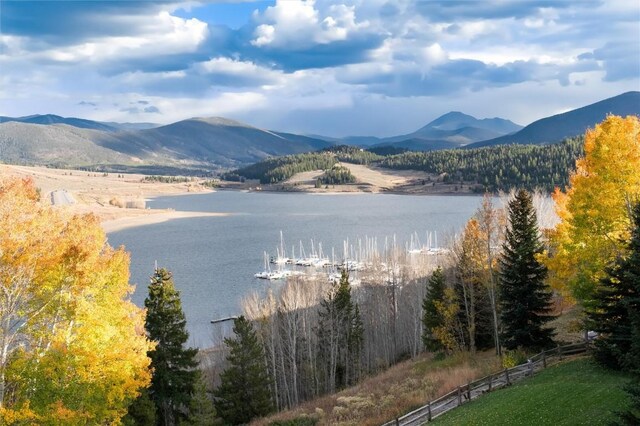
<point x="354" y="155"/>
<point x="143" y="170"/>
<point x="278" y="169"/>
<point x="337" y="175"/>
<point x="167" y="179"/>
<point x="500" y="167"/>
<point x="492" y="168"/>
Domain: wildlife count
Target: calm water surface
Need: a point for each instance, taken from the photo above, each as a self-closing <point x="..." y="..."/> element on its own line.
<point x="213" y="259"/>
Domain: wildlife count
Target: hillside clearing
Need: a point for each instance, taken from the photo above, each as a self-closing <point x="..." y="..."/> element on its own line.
<point x="372" y="179"/>
<point x="577" y="392"/>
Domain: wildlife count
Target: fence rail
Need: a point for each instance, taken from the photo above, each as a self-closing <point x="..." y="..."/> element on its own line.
<point x="474" y="389"/>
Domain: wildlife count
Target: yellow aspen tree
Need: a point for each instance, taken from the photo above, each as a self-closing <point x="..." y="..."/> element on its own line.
<point x="74" y="349"/>
<point x="448" y="310"/>
<point x="472" y="273"/>
<point x="595" y="209"/>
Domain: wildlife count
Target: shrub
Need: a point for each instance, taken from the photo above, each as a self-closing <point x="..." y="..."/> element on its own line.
<point x="513" y="358"/>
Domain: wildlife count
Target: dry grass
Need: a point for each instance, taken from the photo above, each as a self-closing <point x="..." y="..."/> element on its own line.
<point x="109" y="196"/>
<point x="131" y="203"/>
<point x="394" y="392"/>
<point x="568" y="325"/>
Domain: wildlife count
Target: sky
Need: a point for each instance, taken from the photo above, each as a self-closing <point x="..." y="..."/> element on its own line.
<point x="327" y="67"/>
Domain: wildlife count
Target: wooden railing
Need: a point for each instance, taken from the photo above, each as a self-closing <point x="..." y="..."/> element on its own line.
<point x="474" y="389"/>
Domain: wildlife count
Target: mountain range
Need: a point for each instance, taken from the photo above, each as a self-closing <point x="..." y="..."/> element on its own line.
<point x="195" y="143"/>
<point x="571" y="123"/>
<point x="213" y="143"/>
<point x="78" y="122"/>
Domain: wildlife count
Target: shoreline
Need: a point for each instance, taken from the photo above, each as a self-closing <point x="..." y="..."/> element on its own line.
<point x="383" y="192"/>
<point x="127" y="222"/>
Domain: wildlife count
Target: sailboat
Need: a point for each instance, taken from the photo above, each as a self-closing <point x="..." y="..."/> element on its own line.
<point x="267" y="270"/>
<point x="268" y="274"/>
<point x="281" y="255"/>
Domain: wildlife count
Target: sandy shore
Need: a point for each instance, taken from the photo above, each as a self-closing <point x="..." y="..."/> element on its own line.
<point x="118" y="199"/>
<point x="162" y="216"/>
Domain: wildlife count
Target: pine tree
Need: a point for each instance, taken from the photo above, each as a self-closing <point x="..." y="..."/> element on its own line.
<point x="142" y="412"/>
<point x="244" y="391"/>
<point x="525" y="299"/>
<point x="201" y="410"/>
<point x="174" y="367"/>
<point x="615" y="314"/>
<point x="431" y="317"/>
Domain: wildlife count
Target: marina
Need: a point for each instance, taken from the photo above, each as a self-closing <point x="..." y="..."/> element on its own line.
<point x="214" y="259"/>
<point x="363" y="257"/>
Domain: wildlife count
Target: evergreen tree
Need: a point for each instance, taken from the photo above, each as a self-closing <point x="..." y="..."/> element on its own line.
<point x="244" y="391"/>
<point x="631" y="417"/>
<point x="142" y="411"/>
<point x="615" y="314"/>
<point x="525" y="299"/>
<point x="340" y="334"/>
<point x="431" y="316"/>
<point x="201" y="410"/>
<point x="174" y="367"/>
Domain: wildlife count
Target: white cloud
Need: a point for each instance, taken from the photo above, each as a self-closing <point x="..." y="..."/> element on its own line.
<point x="240" y="72"/>
<point x="175" y="109"/>
<point x="265" y="34"/>
<point x="288" y="64"/>
<point x="296" y="23"/>
<point x="163" y="34"/>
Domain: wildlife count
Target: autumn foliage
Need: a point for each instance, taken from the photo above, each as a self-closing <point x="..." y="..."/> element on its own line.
<point x="595" y="210"/>
<point x="73" y="348"/>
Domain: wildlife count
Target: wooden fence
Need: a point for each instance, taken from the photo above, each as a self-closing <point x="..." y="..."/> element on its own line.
<point x="486" y="384"/>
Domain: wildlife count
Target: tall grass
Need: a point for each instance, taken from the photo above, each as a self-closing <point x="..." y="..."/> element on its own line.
<point x="390" y="394"/>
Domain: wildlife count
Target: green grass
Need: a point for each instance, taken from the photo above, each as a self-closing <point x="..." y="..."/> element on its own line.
<point x="576" y="392"/>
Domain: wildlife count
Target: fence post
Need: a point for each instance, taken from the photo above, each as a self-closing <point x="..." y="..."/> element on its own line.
<point x="530" y="367"/>
<point x="506" y="373"/>
<point x="544" y="359"/>
<point x="397" y="422"/>
<point x="459" y="396"/>
<point x="560" y="352"/>
<point x="468" y="391"/>
<point x="429" y="411"/>
<point x="490" y="381"/>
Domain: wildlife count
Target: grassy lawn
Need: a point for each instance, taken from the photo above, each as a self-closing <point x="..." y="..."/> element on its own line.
<point x="572" y="393"/>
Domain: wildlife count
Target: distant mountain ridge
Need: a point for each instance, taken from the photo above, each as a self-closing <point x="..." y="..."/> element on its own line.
<point x="571" y="123"/>
<point x="56" y="119"/>
<point x="217" y="142"/>
<point x="451" y="130"/>
<point x="212" y="142"/>
<point x="455" y="120"/>
<point x="81" y="123"/>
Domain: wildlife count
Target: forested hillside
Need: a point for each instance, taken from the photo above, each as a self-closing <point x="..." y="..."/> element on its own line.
<point x="278" y="169"/>
<point x="489" y="169"/>
<point x="497" y="168"/>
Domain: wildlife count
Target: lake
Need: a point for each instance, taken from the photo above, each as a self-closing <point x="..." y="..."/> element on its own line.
<point x="213" y="259"/>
